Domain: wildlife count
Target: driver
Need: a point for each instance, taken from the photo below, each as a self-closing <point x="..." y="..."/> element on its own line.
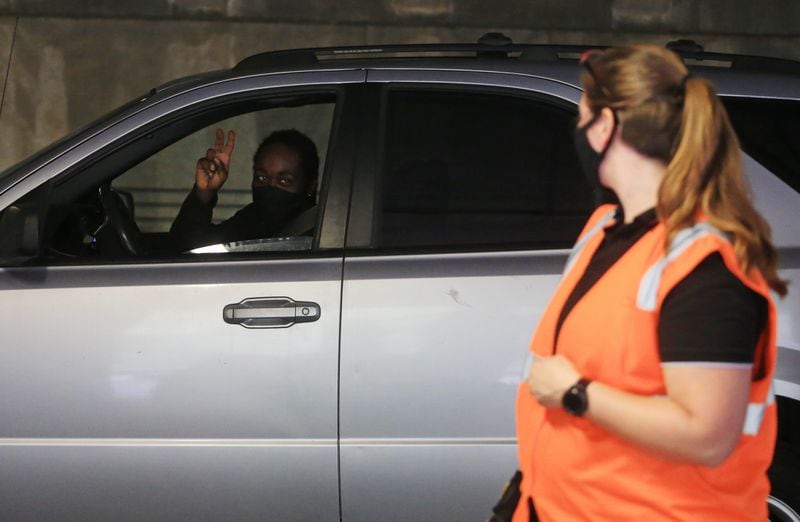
<point x="284" y="185"/>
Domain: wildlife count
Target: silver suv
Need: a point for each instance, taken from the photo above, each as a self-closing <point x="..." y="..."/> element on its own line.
<point x="364" y="370"/>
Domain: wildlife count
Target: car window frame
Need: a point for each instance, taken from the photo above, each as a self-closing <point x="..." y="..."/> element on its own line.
<point x="775" y="167"/>
<point x="363" y="220"/>
<point x="45" y="166"/>
<point x="330" y="238"/>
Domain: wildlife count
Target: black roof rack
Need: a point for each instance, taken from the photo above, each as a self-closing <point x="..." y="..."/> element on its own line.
<point x="694" y="54"/>
<point x="499" y="46"/>
<point x="490" y="45"/>
<point x="313" y="56"/>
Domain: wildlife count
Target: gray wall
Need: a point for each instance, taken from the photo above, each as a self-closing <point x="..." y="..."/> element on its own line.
<point x="65" y="62"/>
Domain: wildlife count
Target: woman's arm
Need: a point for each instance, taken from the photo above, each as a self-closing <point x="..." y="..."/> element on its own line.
<point x="699" y="420"/>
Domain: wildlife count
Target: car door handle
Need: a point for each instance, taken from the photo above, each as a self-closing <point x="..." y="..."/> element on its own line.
<point x="270" y="312"/>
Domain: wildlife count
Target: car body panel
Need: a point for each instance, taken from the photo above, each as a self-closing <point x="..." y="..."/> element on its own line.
<point x="423" y="480"/>
<point x="142" y="368"/>
<point x="433" y="349"/>
<point x="524" y="82"/>
<point x="780" y="206"/>
<point x="136" y="480"/>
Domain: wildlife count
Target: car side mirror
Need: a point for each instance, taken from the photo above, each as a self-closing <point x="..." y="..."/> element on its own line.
<point x="19" y="234"/>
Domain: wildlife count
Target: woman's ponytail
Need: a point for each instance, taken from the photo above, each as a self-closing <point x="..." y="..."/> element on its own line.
<point x="667" y="114"/>
<point x="705" y="174"/>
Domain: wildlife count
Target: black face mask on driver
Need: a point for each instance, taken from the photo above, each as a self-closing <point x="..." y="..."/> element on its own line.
<point x="590" y="159"/>
<point x="275" y="207"/>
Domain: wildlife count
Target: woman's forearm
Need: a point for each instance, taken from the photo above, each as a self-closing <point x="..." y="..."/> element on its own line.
<point x="699" y="421"/>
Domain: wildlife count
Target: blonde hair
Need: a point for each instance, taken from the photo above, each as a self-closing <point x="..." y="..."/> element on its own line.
<point x="666" y="113"/>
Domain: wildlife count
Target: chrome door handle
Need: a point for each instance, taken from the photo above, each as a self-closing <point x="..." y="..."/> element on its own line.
<point x="270" y="312"/>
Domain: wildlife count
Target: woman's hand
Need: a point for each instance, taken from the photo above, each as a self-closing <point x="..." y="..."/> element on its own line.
<point x="549" y="379"/>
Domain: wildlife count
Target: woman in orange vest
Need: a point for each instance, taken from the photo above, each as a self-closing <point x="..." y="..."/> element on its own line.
<point x="649" y="391"/>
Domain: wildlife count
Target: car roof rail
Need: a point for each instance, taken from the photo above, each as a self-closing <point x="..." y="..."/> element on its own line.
<point x="277" y="59"/>
<point x="490" y="45"/>
<point x="496" y="45"/>
<point x="693" y="53"/>
<point x="684" y="45"/>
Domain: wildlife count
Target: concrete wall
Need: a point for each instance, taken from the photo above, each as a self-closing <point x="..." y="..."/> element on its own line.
<point x="65" y="62"/>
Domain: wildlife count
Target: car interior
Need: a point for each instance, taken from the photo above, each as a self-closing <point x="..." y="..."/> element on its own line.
<point x="120" y="203"/>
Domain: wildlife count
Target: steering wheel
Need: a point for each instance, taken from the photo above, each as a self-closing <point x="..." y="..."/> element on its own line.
<point x="119" y="219"/>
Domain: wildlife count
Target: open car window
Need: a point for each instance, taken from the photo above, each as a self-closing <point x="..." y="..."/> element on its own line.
<point x="122" y="204"/>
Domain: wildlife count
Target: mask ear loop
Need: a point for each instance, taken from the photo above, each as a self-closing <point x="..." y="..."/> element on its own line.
<point x="586" y="61"/>
<point x="613" y="132"/>
<point x="613" y="129"/>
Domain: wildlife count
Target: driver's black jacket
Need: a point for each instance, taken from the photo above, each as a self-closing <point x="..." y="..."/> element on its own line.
<point x="193" y="227"/>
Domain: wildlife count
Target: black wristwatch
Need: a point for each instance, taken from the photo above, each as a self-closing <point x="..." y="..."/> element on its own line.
<point x="575" y="401"/>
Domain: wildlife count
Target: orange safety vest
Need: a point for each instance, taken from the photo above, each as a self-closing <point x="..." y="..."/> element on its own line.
<point x="576" y="470"/>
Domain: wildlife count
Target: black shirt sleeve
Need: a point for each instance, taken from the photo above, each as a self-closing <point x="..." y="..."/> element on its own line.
<point x="711" y="316"/>
<point x="193" y="226"/>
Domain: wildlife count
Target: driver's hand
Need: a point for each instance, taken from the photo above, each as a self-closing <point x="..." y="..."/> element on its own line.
<point x="211" y="171"/>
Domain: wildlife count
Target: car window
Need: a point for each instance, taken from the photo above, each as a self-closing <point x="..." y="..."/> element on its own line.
<point x="124" y="204"/>
<point x="161" y="182"/>
<point x="479" y="170"/>
<point x="766" y="129"/>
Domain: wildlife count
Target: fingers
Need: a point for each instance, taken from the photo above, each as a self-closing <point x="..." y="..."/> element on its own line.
<point x="218" y="141"/>
<point x="214" y="166"/>
<point x="231" y="141"/>
<point x="211" y="162"/>
<point x="216" y="159"/>
<point x="222" y="145"/>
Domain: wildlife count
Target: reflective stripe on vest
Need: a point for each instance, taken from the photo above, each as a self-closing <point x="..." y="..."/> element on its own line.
<point x="755" y="412"/>
<point x="581" y="243"/>
<point x="526" y="370"/>
<point x="647" y="298"/>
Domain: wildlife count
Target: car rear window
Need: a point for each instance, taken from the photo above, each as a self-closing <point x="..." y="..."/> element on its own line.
<point x="768" y="132"/>
<point x="480" y="170"/>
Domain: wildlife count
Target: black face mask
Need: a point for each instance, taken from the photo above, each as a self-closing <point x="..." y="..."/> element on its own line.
<point x="275" y="207"/>
<point x="590" y="159"/>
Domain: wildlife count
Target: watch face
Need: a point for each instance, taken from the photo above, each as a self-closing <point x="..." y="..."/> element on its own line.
<point x="574" y="400"/>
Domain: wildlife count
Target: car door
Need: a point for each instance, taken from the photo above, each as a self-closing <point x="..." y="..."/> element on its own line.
<point x="464" y="208"/>
<point x="126" y="391"/>
<point x="764" y="126"/>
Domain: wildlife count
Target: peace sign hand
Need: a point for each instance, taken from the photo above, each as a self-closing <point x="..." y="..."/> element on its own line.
<point x="211" y="171"/>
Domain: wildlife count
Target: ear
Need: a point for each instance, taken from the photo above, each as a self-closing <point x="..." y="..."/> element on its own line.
<point x="311" y="187"/>
<point x="601" y="132"/>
